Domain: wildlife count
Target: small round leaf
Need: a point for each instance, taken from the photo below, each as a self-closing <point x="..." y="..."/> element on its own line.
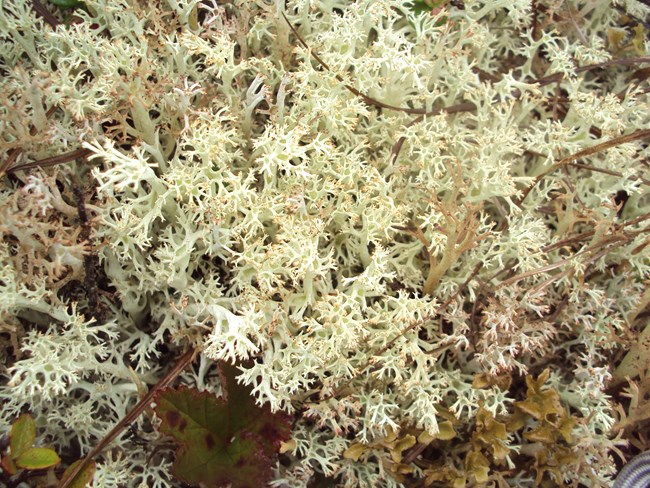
<point x="23" y="434"/>
<point x="38" y="458"/>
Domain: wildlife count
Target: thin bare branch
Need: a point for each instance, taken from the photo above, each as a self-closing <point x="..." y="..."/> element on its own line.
<point x="370" y="100"/>
<point x="47" y="16"/>
<point x="184" y="361"/>
<point x="53" y="161"/>
<point x="605" y="171"/>
<point x="581" y="69"/>
<point x="13" y="154"/>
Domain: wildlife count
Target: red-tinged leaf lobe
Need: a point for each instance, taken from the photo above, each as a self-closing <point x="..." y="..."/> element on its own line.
<point x="8" y="465"/>
<point x="222" y="442"/>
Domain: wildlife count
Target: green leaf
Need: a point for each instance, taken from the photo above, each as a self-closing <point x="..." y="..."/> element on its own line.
<point x="420" y="7"/>
<point x="67" y="3"/>
<point x="229" y="441"/>
<point x="23" y="434"/>
<point x="38" y="458"/>
<point x="84" y="477"/>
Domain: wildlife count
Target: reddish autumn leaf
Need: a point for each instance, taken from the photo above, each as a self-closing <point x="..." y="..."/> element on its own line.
<point x="223" y="441"/>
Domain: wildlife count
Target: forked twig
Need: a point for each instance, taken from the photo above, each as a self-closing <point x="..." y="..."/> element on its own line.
<point x="603" y="146"/>
<point x="587" y="235"/>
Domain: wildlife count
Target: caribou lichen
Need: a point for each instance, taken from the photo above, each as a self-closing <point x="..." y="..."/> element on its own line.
<point x="396" y="236"/>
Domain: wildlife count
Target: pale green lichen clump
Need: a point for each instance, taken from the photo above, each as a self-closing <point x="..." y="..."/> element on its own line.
<point x="248" y="203"/>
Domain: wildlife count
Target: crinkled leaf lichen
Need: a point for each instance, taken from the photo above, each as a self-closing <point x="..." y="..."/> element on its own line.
<point x="540" y="420"/>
